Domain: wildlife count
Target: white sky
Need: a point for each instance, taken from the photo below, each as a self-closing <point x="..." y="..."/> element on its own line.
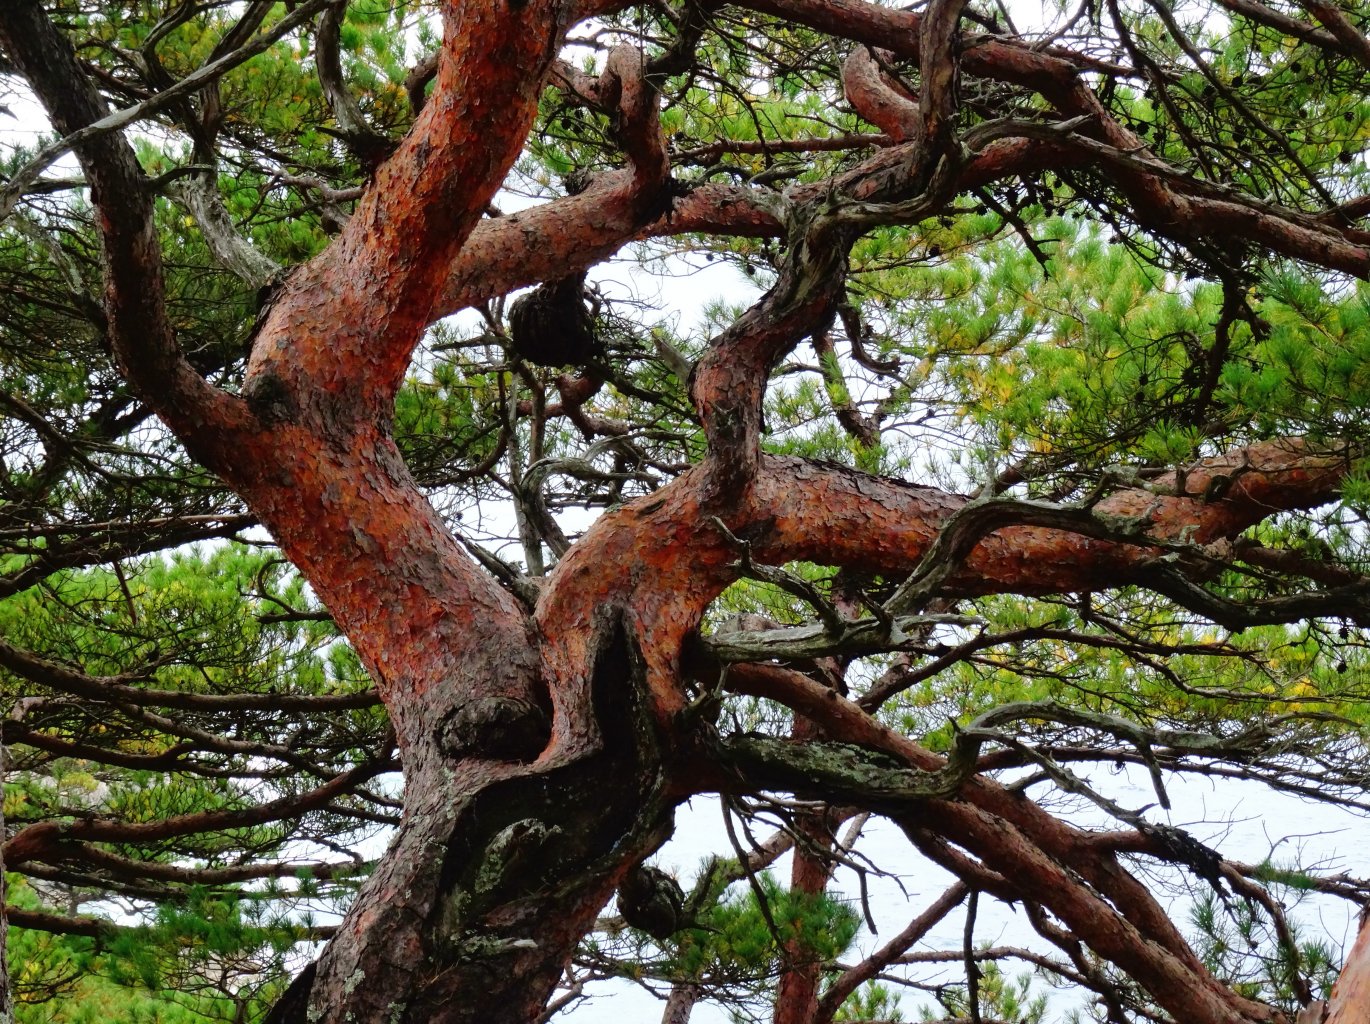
<point x="1244" y="821"/>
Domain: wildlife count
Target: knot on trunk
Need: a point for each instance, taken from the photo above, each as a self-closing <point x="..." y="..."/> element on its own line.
<point x="652" y="901"/>
<point x="551" y="325"/>
<point x="270" y="399"/>
<point x="497" y="728"/>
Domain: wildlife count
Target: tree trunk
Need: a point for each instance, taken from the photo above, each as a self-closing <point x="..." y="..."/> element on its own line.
<point x="797" y="994"/>
<point x="498" y="869"/>
<point x="1350" y="1000"/>
<point x="6" y="996"/>
<point x="810" y="871"/>
<point x="544" y="750"/>
<point x="680" y="1004"/>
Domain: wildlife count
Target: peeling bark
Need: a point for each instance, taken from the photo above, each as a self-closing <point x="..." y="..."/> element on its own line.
<point x="1350" y="999"/>
<point x="6" y="997"/>
<point x="544" y="752"/>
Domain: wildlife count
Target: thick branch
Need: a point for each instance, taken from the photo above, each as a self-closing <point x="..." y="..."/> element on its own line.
<point x="569" y="234"/>
<point x="369" y="146"/>
<point x="200" y="196"/>
<point x="1172" y="209"/>
<point x="1029" y="850"/>
<point x="60" y="924"/>
<point x="881" y="525"/>
<point x="347" y="323"/>
<point x="939" y="65"/>
<point x="574" y="232"/>
<point x="876" y="98"/>
<point x="1268" y="16"/>
<point x="641" y="557"/>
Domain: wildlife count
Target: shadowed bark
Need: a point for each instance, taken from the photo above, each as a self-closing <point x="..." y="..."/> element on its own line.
<point x="545" y="748"/>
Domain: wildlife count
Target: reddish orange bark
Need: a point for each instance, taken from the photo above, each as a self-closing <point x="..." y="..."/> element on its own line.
<point x="810" y="871"/>
<point x="797" y="992"/>
<point x="1350" y="1000"/>
<point x="544" y="750"/>
<point x="1030" y="856"/>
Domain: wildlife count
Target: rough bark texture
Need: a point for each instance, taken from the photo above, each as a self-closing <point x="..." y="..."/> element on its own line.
<point x="544" y="751"/>
<point x="6" y="996"/>
<point x="796" y="997"/>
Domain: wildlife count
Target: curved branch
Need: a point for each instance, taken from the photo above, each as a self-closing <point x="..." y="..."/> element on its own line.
<point x="220" y="63"/>
<point x="235" y="253"/>
<point x="639" y="556"/>
<point x="902" y="185"/>
<point x="569" y="234"/>
<point x="730" y="379"/>
<point x="1034" y="856"/>
<point x="876" y="98"/>
<point x="88" y="855"/>
<point x="118" y="688"/>
<point x="1176" y="208"/>
<point x="622" y="92"/>
<point x="347" y="322"/>
<point x="135" y="300"/>
<point x="369" y="145"/>
<point x="44" y="840"/>
<point x="800" y="643"/>
<point x="882" y="525"/>
<point x="111" y="541"/>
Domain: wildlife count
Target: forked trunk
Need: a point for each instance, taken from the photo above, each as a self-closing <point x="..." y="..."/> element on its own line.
<point x="498" y="869"/>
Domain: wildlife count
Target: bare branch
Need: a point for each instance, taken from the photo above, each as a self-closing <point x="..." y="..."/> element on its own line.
<point x="235" y="253"/>
<point x="370" y="146"/>
<point x="104" y="123"/>
<point x="1334" y="19"/>
<point x="877" y="99"/>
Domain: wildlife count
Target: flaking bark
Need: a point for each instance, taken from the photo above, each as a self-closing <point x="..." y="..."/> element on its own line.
<point x="544" y="752"/>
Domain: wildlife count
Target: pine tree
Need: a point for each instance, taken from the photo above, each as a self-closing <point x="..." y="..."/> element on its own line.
<point x="1025" y="449"/>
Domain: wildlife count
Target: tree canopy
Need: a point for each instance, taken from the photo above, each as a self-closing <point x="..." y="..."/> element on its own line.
<point x="481" y="426"/>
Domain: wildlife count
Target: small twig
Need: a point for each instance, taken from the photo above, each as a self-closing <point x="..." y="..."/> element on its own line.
<point x="19" y="181"/>
<point x="968" y="952"/>
<point x="833" y="622"/>
<point x="762" y="903"/>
